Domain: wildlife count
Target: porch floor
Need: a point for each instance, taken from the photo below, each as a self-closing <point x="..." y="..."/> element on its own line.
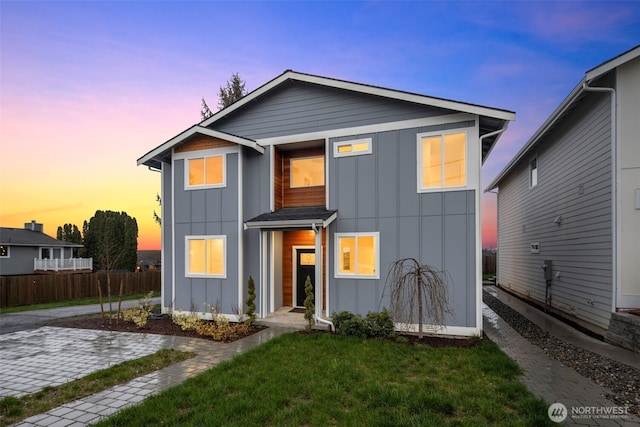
<point x="283" y="318"/>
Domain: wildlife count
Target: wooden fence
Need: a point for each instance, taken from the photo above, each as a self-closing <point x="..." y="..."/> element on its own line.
<point x="45" y="288"/>
<point x="488" y="263"/>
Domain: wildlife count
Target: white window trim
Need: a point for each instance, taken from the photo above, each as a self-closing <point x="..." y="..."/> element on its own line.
<point x="337" y="258"/>
<point x="205" y="237"/>
<point x="534" y="247"/>
<point x="337" y="144"/>
<point x="8" y="255"/>
<point x="303" y="158"/>
<point x="530" y="170"/>
<point x="468" y="161"/>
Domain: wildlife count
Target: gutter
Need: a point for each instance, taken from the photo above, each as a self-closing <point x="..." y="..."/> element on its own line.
<point x="615" y="186"/>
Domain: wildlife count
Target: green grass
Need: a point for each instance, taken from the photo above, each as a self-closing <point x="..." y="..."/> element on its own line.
<point x="87" y="301"/>
<point x="323" y="379"/>
<point x="14" y="409"/>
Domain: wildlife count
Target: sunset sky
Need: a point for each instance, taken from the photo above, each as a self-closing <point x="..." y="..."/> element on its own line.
<point x="86" y="88"/>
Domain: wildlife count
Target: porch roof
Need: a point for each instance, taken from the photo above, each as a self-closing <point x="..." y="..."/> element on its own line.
<point x="307" y="216"/>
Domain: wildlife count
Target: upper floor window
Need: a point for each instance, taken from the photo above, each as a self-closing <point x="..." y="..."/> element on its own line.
<point x="352" y="148"/>
<point x="206" y="171"/>
<point x="357" y="255"/>
<point x="307" y="172"/>
<point x="206" y="256"/>
<point x="4" y="251"/>
<point x="533" y="172"/>
<point x="442" y="160"/>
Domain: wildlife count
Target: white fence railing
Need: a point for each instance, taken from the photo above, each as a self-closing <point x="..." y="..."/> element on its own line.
<point x="62" y="264"/>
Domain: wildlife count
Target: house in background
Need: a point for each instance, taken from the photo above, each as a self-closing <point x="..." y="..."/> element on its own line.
<point x="570" y="199"/>
<point x="335" y="180"/>
<point x="29" y="251"/>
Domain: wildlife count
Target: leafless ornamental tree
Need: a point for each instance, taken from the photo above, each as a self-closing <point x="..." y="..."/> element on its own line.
<point x="415" y="290"/>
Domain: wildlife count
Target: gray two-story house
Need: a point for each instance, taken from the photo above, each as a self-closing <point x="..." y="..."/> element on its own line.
<point x="335" y="180"/>
<point x="570" y="200"/>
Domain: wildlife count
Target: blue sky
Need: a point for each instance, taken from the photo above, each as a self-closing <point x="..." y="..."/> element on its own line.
<point x="88" y="87"/>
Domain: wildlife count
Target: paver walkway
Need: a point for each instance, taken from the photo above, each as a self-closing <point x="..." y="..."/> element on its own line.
<point x="50" y="356"/>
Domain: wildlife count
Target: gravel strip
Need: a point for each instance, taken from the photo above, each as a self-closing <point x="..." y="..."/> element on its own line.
<point x="621" y="379"/>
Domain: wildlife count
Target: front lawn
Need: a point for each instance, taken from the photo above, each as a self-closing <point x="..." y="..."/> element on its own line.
<point x="324" y="379"/>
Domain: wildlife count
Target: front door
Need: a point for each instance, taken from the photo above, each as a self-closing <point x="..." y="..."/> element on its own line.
<point x="305" y="267"/>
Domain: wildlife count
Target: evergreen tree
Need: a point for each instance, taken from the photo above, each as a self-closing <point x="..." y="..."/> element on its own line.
<point x="233" y="91"/>
<point x="205" y="112"/>
<point x="111" y="239"/>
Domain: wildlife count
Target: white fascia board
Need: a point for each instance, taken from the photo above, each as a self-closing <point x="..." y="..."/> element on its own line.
<point x="286" y="224"/>
<point x="362" y="88"/>
<point x="542" y="130"/>
<point x="203" y="131"/>
<point x="360" y="130"/>
<point x="612" y="63"/>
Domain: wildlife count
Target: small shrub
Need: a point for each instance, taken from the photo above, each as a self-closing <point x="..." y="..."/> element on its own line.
<point x="374" y="325"/>
<point x="139" y="314"/>
<point x="187" y="321"/>
<point x="309" y="306"/>
<point x="251" y="306"/>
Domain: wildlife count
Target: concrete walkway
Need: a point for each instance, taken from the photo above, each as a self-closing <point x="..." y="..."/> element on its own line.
<point x="551" y="380"/>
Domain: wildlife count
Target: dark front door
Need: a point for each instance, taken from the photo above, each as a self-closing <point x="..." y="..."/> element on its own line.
<point x="305" y="266"/>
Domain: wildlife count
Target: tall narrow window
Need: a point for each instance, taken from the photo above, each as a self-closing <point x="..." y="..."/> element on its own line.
<point x="206" y="256"/>
<point x="206" y="171"/>
<point x="307" y="172"/>
<point x="357" y="255"/>
<point x="443" y="161"/>
<point x="4" y="251"/>
<point x="533" y="172"/>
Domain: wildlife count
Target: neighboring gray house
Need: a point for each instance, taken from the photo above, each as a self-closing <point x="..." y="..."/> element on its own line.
<point x="572" y="196"/>
<point x="29" y="251"/>
<point x="313" y="176"/>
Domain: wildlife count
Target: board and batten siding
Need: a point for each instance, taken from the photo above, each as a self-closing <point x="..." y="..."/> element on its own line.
<point x="574" y="188"/>
<point x="298" y="108"/>
<point x="200" y="212"/>
<point x="377" y="193"/>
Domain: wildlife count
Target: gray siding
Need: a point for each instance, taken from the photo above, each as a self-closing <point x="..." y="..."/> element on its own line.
<point x="377" y="193"/>
<point x="20" y="260"/>
<point x="167" y="236"/>
<point x="304" y="107"/>
<point x="574" y="182"/>
<point x="207" y="212"/>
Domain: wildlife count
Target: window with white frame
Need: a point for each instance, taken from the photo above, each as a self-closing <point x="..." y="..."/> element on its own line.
<point x="4" y="251"/>
<point x="307" y="172"/>
<point x="357" y="255"/>
<point x="205" y="172"/>
<point x="442" y="160"/>
<point x="206" y="256"/>
<point x="533" y="172"/>
<point x="354" y="147"/>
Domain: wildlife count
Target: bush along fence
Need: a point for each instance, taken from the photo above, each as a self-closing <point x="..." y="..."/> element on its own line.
<point x="40" y="289"/>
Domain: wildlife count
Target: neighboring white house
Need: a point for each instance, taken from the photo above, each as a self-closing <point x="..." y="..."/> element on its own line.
<point x="571" y="196"/>
<point x="28" y="250"/>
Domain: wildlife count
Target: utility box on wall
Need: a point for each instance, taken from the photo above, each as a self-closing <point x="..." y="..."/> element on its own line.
<point x="546" y="266"/>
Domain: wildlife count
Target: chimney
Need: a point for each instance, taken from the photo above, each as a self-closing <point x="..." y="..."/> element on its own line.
<point x="33" y="226"/>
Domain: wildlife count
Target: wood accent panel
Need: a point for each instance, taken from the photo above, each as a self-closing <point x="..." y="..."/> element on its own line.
<point x="277" y="178"/>
<point x="293" y="197"/>
<point x="299" y="238"/>
<point x="202" y="142"/>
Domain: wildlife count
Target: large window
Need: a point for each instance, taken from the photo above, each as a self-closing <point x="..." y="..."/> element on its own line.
<point x="206" y="171"/>
<point x="442" y="160"/>
<point x="357" y="255"/>
<point x="307" y="172"/>
<point x="206" y="256"/>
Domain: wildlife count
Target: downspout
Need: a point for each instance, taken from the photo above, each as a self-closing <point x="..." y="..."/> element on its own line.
<point x="479" y="232"/>
<point x="318" y="298"/>
<point x="614" y="188"/>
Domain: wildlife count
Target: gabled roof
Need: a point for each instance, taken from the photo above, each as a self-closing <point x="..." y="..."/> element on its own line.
<point x="151" y="159"/>
<point x="570" y="102"/>
<point x="24" y="237"/>
<point x="491" y="119"/>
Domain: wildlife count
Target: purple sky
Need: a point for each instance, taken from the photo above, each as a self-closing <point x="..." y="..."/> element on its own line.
<point x="88" y="87"/>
